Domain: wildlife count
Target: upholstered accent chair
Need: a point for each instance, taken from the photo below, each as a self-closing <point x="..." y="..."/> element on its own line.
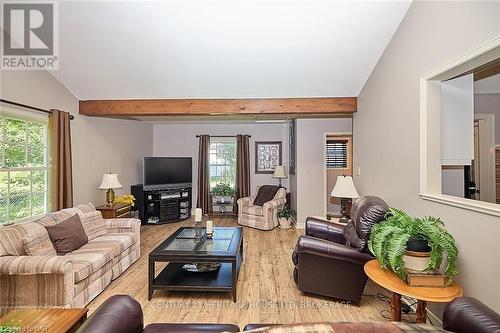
<point x="260" y="217"/>
<point x="329" y="259"/>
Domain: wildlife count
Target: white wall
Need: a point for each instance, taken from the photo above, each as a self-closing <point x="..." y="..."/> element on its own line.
<point x="452" y="181"/>
<point x="386" y="129"/>
<point x="310" y="168"/>
<point x="99" y="145"/>
<point x="179" y="139"/>
<point x="489" y="85"/>
<point x="489" y="104"/>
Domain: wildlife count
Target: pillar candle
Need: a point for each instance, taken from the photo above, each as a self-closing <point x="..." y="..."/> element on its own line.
<point x="209" y="226"/>
<point x="198" y="213"/>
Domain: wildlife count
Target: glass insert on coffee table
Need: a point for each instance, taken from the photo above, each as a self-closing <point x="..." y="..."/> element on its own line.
<point x="181" y="248"/>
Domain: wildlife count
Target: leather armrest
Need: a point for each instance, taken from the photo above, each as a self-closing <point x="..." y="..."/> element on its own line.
<point x="190" y="328"/>
<point x="468" y="315"/>
<point x="119" y="313"/>
<point x="324" y="248"/>
<point x="325" y="230"/>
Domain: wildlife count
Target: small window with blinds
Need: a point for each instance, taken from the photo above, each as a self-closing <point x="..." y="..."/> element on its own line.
<point x="336" y="153"/>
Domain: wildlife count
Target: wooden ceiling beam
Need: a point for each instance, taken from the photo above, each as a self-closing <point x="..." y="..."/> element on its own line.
<point x="220" y="107"/>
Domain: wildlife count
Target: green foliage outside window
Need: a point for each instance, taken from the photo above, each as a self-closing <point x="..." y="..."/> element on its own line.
<point x="222" y="163"/>
<point x="23" y="169"/>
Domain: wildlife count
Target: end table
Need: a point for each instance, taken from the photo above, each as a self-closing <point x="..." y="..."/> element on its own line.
<point x="116" y="211"/>
<point x="393" y="283"/>
<point x="45" y="320"/>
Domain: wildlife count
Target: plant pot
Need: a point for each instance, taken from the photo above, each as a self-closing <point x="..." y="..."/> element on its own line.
<point x="285" y="223"/>
<point x="418" y="254"/>
<point x="418" y="245"/>
<point x="222" y="199"/>
<point x="417" y="261"/>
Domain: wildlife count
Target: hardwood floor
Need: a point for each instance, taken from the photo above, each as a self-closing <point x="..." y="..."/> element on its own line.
<point x="266" y="291"/>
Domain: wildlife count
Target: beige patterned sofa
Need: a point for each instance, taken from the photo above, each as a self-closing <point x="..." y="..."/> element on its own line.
<point x="261" y="217"/>
<point x="71" y="280"/>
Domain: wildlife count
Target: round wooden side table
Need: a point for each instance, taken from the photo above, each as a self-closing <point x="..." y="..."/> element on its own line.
<point x="390" y="281"/>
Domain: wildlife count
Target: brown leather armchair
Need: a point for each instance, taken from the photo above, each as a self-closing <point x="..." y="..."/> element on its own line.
<point x="123" y="314"/>
<point x="329" y="259"/>
<point x="469" y="315"/>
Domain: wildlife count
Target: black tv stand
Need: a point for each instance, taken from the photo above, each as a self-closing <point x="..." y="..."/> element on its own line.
<point x="167" y="205"/>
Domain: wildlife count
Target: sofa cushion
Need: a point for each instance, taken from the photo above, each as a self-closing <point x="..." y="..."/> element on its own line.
<point x="92" y="221"/>
<point x="63" y="214"/>
<point x="123" y="240"/>
<point x="12" y="236"/>
<point x="253" y="210"/>
<point x="98" y="252"/>
<point x="38" y="242"/>
<point x="84" y="284"/>
<point x="68" y="235"/>
<point x="46" y="220"/>
<point x="86" y="262"/>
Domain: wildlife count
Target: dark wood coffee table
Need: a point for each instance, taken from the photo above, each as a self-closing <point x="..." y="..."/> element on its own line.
<point x="225" y="248"/>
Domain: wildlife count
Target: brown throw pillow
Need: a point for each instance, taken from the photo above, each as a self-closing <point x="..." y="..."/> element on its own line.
<point x="68" y="235"/>
<point x="266" y="193"/>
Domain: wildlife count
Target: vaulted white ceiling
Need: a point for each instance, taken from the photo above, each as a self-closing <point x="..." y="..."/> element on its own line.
<point x="209" y="49"/>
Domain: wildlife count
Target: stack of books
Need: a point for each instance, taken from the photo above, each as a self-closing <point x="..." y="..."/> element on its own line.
<point x="430" y="278"/>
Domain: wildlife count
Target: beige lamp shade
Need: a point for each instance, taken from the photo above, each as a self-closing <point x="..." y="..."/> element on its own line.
<point x="279" y="172"/>
<point x="110" y="180"/>
<point x="344" y="188"/>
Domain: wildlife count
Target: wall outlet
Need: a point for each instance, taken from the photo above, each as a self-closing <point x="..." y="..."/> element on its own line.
<point x="358" y="173"/>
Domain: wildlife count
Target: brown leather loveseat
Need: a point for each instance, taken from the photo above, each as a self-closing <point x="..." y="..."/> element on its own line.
<point x="123" y="314"/>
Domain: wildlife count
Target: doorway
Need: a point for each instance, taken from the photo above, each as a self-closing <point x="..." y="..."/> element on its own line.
<point x="338" y="162"/>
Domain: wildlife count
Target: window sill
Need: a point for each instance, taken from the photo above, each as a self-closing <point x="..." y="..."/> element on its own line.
<point x="469" y="204"/>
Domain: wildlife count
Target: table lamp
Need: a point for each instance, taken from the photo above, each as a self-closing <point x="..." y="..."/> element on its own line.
<point x="345" y="190"/>
<point x="109" y="182"/>
<point x="279" y="172"/>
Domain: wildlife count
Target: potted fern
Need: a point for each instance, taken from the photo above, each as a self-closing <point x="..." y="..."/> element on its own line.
<point x="399" y="237"/>
<point x="285" y="217"/>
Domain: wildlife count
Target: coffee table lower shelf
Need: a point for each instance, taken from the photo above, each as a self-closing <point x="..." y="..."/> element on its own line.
<point x="173" y="277"/>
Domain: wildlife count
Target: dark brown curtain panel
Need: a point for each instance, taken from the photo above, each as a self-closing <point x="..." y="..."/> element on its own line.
<point x="60" y="165"/>
<point x="242" y="166"/>
<point x="203" y="173"/>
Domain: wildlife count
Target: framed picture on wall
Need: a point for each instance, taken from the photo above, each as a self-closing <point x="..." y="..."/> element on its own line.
<point x="267" y="156"/>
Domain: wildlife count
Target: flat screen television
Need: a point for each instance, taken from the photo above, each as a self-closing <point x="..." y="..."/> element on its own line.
<point x="167" y="172"/>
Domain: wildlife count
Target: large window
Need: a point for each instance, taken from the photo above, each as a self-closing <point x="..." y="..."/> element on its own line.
<point x="23" y="168"/>
<point x="222" y="161"/>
